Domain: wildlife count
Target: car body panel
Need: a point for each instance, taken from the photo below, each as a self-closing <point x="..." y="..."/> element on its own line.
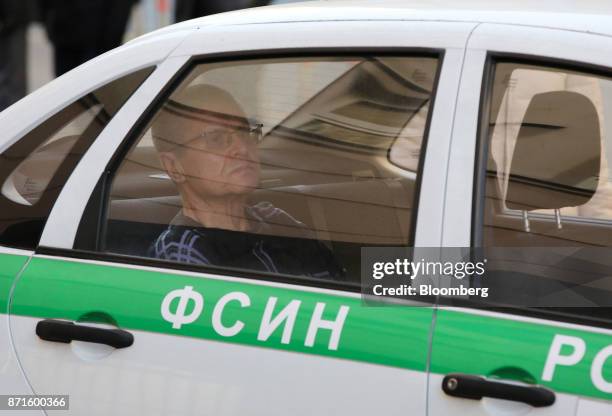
<point x="61" y="289"/>
<point x="231" y="379"/>
<point x="229" y="351"/>
<point x="591" y="16"/>
<point x="385" y="34"/>
<point x="515" y="349"/>
<point x="506" y="341"/>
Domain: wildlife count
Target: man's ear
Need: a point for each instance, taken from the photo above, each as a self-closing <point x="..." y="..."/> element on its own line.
<point x="172" y="165"/>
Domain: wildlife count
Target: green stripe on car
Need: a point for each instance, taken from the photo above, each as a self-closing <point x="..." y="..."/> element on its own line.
<point x="321" y="323"/>
<point x="394" y="336"/>
<point x="512" y="349"/>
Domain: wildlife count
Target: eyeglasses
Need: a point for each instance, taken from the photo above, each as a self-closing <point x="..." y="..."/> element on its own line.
<point x="219" y="140"/>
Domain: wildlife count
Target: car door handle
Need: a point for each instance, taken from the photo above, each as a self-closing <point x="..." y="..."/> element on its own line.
<point x="475" y="387"/>
<point x="66" y="331"/>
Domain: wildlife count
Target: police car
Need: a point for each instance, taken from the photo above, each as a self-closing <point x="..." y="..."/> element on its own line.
<point x="378" y="124"/>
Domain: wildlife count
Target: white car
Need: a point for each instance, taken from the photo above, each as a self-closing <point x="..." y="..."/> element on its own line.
<point x="181" y="219"/>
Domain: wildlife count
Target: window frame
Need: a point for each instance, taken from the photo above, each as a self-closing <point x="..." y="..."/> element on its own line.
<point x="88" y="236"/>
<point x="480" y="169"/>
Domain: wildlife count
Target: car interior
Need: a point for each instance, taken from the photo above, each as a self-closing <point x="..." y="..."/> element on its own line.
<point x="348" y="178"/>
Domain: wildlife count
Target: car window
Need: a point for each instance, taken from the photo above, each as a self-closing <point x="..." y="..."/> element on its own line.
<point x="34" y="169"/>
<point x="285" y="166"/>
<point x="548" y="183"/>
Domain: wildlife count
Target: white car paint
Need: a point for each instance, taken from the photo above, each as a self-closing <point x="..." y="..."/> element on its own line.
<point x="229" y="379"/>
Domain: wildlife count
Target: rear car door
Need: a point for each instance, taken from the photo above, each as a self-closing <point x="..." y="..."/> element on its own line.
<point x="169" y="330"/>
<point x="541" y="342"/>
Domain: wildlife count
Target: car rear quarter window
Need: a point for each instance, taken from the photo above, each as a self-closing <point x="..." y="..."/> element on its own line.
<point x="284" y="166"/>
<point x="35" y="168"/>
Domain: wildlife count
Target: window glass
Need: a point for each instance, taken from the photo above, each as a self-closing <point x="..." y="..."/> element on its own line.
<point x="26" y="184"/>
<point x="550" y="140"/>
<point x="548" y="187"/>
<point x="33" y="170"/>
<point x="280" y="165"/>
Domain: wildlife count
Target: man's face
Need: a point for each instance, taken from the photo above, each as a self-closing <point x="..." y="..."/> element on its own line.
<point x="221" y="158"/>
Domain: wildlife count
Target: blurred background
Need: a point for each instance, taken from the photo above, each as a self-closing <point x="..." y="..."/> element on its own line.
<point x="42" y="39"/>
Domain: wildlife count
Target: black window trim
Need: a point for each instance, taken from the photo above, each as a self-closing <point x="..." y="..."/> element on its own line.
<point x="94" y="212"/>
<point x="480" y="165"/>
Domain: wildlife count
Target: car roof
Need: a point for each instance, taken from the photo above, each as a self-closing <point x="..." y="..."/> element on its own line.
<point x="590" y="16"/>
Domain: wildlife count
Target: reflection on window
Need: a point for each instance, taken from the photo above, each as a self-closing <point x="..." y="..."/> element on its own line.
<point x="35" y="168"/>
<point x="282" y="166"/>
<point x="27" y="183"/>
<point x="549" y="188"/>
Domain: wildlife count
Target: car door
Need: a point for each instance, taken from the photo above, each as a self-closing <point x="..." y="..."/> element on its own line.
<point x="168" y="331"/>
<point x="539" y="192"/>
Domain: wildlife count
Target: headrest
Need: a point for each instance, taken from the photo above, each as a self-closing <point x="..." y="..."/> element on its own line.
<point x="556" y="158"/>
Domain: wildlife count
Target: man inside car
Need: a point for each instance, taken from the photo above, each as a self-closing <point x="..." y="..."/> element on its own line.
<point x="209" y="149"/>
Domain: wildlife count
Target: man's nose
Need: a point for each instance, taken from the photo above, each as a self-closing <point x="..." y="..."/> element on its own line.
<point x="238" y="146"/>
